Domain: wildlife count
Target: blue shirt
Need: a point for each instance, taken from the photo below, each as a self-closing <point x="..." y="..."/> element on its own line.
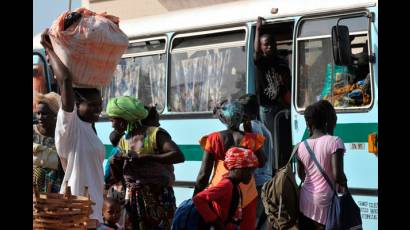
<point x="106" y="163"/>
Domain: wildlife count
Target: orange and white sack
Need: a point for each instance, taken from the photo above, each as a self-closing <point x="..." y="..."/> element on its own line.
<point x="91" y="48"/>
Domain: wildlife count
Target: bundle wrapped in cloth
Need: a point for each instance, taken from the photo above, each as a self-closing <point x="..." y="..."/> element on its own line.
<point x="89" y="44"/>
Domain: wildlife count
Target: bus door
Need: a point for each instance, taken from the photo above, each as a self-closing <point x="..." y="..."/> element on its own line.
<point x="282" y="31"/>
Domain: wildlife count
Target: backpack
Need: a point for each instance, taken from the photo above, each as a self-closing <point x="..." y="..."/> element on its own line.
<point x="187" y="216"/>
<point x="280" y="197"/>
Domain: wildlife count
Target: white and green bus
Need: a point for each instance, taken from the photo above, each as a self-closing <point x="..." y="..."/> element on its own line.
<point x="186" y="61"/>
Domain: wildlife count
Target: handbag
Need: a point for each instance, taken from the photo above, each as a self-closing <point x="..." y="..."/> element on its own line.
<point x="45" y="157"/>
<point x="343" y="212"/>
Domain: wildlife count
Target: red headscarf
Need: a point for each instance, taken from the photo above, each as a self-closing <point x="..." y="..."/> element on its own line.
<point x="237" y="157"/>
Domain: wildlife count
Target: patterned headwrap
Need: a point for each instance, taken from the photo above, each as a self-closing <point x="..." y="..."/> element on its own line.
<point x="237" y="158"/>
<point x="52" y="99"/>
<point x="128" y="108"/>
<point x="230" y="113"/>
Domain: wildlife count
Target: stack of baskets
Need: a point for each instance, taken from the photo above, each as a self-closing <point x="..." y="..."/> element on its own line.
<point x="60" y="211"/>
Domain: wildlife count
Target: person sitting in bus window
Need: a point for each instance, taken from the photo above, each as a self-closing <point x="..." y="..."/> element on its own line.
<point x="349" y="93"/>
<point x="219" y="205"/>
<point x="362" y="79"/>
<point x="215" y="146"/>
<point x="262" y="175"/>
<point x="351" y="86"/>
<point x="272" y="77"/>
<point x="145" y="162"/>
<point x="360" y="60"/>
<point x="80" y="150"/>
<point x="48" y="173"/>
<point x="315" y="193"/>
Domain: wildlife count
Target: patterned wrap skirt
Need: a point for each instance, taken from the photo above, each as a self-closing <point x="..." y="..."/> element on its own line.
<point x="149" y="207"/>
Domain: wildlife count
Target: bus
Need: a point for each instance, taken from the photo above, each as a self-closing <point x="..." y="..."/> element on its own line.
<point x="186" y="61"/>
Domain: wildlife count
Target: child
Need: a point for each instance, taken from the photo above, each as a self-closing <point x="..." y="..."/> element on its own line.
<point x="225" y="197"/>
<point x="111" y="215"/>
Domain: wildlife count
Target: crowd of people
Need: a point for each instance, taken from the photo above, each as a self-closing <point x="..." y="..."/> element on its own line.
<point x="135" y="189"/>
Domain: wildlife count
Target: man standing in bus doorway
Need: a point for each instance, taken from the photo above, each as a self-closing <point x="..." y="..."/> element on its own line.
<point x="272" y="77"/>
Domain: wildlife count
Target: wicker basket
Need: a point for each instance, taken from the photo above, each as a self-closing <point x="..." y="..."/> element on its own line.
<point x="60" y="211"/>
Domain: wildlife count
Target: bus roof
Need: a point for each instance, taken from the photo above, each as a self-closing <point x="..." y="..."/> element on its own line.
<point x="227" y="13"/>
<point x="231" y="13"/>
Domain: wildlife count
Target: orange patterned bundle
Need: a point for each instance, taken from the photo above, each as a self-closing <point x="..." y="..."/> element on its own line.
<point x="237" y="158"/>
<point x="90" y="48"/>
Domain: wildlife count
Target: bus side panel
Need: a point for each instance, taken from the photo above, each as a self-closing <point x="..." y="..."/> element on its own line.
<point x="187" y="133"/>
<point x="369" y="210"/>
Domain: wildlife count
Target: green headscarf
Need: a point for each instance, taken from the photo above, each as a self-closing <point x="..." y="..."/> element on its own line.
<point x="128" y="108"/>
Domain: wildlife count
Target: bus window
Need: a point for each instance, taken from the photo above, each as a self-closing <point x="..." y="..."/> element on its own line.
<point x="140" y="73"/>
<point x="146" y="46"/>
<point x="206" y="69"/>
<point x="346" y="87"/>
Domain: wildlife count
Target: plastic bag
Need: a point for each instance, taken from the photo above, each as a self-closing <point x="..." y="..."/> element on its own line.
<point x="90" y="47"/>
<point x="357" y="96"/>
<point x="44" y="157"/>
<point x="328" y="82"/>
<point x="343" y="78"/>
